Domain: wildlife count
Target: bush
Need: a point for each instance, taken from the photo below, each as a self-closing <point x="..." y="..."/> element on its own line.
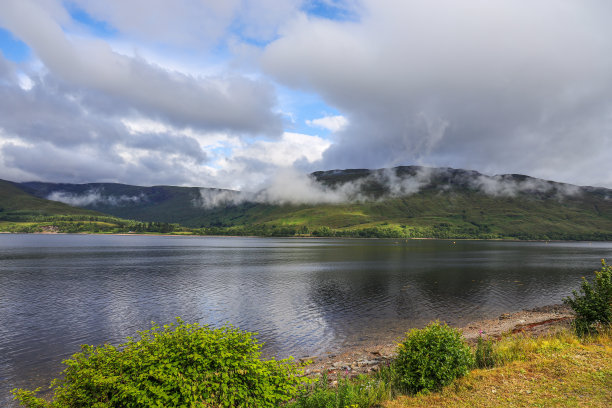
<point x="181" y="365"/>
<point x="431" y="358"/>
<point x="593" y="306"/>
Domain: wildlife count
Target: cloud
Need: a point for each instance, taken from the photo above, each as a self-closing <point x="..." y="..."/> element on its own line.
<point x="289" y="186"/>
<point x="193" y="24"/>
<point x="331" y="123"/>
<point x="100" y="115"/>
<point x="509" y="186"/>
<point x="116" y="84"/>
<point x="504" y="86"/>
<point x="192" y="93"/>
<point x="251" y="164"/>
<point x="211" y="198"/>
<point x="7" y="70"/>
<point x="292" y="147"/>
<point x="93" y="197"/>
<point x="45" y="133"/>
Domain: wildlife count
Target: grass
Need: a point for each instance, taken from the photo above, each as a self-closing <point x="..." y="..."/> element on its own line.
<point x="549" y="372"/>
<point x="553" y="370"/>
<point x="362" y="392"/>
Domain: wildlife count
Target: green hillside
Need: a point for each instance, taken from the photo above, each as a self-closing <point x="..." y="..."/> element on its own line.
<point x="24" y="213"/>
<point x="16" y="204"/>
<point x="443" y="215"/>
<point x="449" y="203"/>
<point x="150" y="204"/>
<point x="404" y="202"/>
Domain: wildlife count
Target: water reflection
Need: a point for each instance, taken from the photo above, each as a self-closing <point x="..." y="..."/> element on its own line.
<point x="303" y="296"/>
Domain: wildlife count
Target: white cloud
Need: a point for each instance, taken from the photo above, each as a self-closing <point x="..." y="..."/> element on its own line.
<point x="93" y="197"/>
<point x="25" y="82"/>
<point x="194" y="24"/>
<point x="331" y="123"/>
<point x="112" y="83"/>
<point x="291" y="148"/>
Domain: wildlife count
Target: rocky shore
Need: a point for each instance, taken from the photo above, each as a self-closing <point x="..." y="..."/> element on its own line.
<point x="370" y="357"/>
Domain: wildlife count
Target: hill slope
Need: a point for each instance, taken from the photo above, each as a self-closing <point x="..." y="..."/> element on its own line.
<point x="151" y="204"/>
<point x="16" y="204"/>
<point x="405" y="201"/>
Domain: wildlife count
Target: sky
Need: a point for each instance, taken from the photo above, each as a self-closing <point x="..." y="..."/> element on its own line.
<point x="232" y="93"/>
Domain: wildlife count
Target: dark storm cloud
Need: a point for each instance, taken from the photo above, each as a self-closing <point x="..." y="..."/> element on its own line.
<point x="504" y="86"/>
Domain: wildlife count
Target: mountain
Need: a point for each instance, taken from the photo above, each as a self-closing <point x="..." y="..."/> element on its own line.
<point x="16" y="204"/>
<point x="169" y="204"/>
<point x="407" y="201"/>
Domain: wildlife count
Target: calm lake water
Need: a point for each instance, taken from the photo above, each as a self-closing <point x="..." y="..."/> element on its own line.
<point x="303" y="296"/>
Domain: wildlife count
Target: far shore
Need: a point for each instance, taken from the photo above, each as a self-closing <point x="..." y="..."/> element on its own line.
<point x="153" y="234"/>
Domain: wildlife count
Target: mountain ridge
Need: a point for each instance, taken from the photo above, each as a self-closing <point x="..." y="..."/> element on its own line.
<point x="402" y="201"/>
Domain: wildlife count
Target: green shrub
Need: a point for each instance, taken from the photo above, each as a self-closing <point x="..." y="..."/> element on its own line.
<point x="484" y="355"/>
<point x="184" y="365"/>
<point x="361" y="392"/>
<point x="593" y="306"/>
<point x="431" y="358"/>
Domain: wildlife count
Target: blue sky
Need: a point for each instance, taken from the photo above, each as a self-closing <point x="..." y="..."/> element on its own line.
<point x="230" y="93"/>
<point x="12" y="47"/>
<point x="96" y="27"/>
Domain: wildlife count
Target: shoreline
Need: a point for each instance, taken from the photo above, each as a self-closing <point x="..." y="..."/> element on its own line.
<point x="298" y="237"/>
<point x="368" y="357"/>
<point x="365" y="358"/>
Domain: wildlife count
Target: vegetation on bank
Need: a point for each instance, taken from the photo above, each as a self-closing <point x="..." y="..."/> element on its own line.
<point x="559" y="370"/>
<point x="181" y="365"/>
<point x="386" y="230"/>
<point x="192" y="365"/>
<point x="593" y="303"/>
<point x="101" y="224"/>
<point x="93" y="224"/>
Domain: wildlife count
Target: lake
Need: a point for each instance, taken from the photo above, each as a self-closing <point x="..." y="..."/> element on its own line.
<point x="303" y="296"/>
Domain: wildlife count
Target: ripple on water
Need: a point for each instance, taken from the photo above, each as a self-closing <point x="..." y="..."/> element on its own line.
<point x="304" y="297"/>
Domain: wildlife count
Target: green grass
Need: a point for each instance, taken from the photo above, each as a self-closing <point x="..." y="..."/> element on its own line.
<point x="552" y="370"/>
<point x="362" y="392"/>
